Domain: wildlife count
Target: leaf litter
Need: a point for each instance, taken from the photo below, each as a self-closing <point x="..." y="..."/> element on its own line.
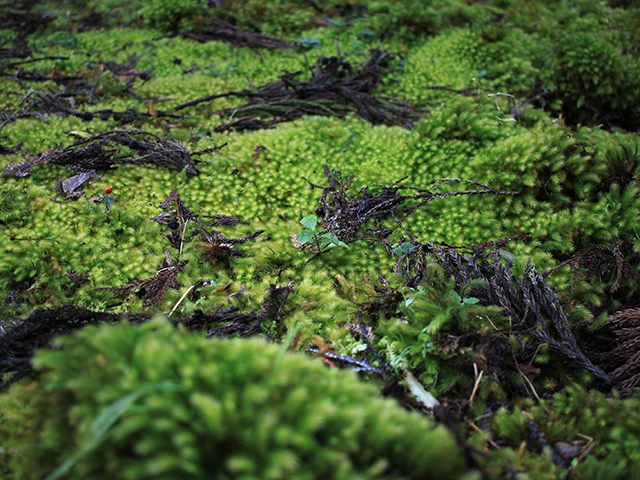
<point x="336" y="88"/>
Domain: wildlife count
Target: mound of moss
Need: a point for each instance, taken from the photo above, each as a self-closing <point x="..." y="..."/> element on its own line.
<point x="149" y="401"/>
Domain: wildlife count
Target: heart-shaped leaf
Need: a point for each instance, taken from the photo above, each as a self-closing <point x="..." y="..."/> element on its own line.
<point x="304" y="237"/>
<point x="310" y="222"/>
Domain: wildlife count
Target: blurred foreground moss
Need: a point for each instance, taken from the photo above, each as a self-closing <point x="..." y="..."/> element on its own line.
<point x="148" y="401"/>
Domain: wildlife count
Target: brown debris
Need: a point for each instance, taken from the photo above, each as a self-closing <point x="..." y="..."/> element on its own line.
<point x="335" y="88"/>
<point x="14" y="53"/>
<point x="597" y="260"/>
<point x="80" y="92"/>
<point x="70" y="187"/>
<point x="25" y="166"/>
<point x="343" y="214"/>
<point x="623" y="362"/>
<point x="250" y="122"/>
<point x="77" y="91"/>
<point x="101" y="152"/>
<point x="18" y="17"/>
<point x="218" y="248"/>
<point x="534" y="308"/>
<point x="125" y="72"/>
<point x="224" y="220"/>
<point x="19" y="338"/>
<point x="226" y="32"/>
<point x="184" y="214"/>
<point x="152" y="290"/>
<point x="218" y="253"/>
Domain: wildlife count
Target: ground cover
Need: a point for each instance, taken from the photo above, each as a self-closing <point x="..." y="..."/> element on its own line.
<point x="442" y="196"/>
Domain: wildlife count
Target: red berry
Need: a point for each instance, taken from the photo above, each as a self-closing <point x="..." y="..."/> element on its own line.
<point x="108" y="190"/>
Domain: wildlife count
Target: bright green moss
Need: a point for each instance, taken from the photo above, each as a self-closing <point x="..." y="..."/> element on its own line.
<point x="39" y="136"/>
<point x="414" y="20"/>
<point x="184" y="407"/>
<point x="464" y="138"/>
<point x="453" y="142"/>
<point x="79" y="238"/>
<point x="508" y="59"/>
<point x="82" y="50"/>
<point x="444" y="60"/>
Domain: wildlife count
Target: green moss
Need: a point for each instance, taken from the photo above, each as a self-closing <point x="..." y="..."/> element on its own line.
<point x="444" y="60"/>
<point x="169" y="16"/>
<point x="508" y="59"/>
<point x="575" y="61"/>
<point x="411" y="336"/>
<point x="576" y="415"/>
<point x="180" y="406"/>
<point x="595" y="78"/>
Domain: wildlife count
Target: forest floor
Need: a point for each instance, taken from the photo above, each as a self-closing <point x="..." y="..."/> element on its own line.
<point x="442" y="196"/>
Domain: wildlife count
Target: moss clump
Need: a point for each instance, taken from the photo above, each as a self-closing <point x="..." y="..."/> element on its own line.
<point x="413" y="335"/>
<point x="442" y="60"/>
<point x="152" y="402"/>
<point x="168" y="16"/>
<point x="594" y="80"/>
<point x="573" y="421"/>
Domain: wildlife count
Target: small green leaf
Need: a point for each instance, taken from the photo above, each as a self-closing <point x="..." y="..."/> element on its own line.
<point x="304" y="237"/>
<point x="470" y="300"/>
<point x="79" y="134"/>
<point x="333" y="240"/>
<point x="310" y="222"/>
<point x="508" y="255"/>
<point x="402" y="249"/>
<point x="407" y="246"/>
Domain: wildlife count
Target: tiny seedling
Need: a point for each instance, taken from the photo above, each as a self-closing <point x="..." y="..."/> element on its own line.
<point x="402" y="249"/>
<point x="322" y="241"/>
